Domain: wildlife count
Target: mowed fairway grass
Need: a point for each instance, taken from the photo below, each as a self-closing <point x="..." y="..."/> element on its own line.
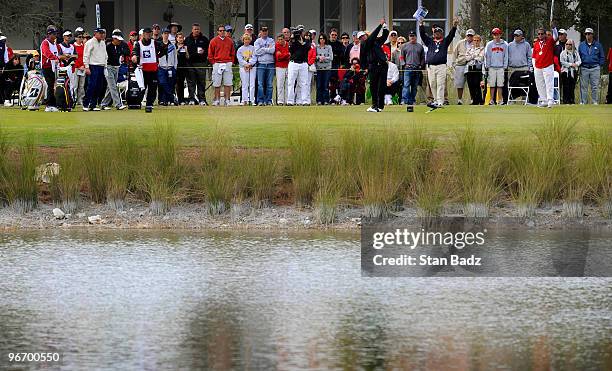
<point x="268" y="127"/>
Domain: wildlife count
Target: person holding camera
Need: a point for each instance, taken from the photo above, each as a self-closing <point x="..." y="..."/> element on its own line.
<point x="297" y="71"/>
<point x="377" y="60"/>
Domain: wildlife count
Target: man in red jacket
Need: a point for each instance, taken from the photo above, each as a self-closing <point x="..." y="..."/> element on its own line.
<point x="221" y="54"/>
<point x="544" y="56"/>
<point x="281" y="61"/>
<point x="50" y="58"/>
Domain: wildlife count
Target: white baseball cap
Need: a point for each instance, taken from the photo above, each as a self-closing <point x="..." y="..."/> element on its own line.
<point x="360" y="33"/>
<point x="313" y="32"/>
<point x="248" y="26"/>
<point x="67" y="33"/>
<point x="588" y="30"/>
<point x="470" y="32"/>
<point x="562" y="30"/>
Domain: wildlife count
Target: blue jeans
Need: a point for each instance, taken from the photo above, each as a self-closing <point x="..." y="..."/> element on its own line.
<point x="409" y="91"/>
<point x="94" y="86"/>
<point x="167" y="80"/>
<point x="323" y="77"/>
<point x="265" y="78"/>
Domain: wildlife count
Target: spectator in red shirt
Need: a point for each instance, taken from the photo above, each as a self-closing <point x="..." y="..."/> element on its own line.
<point x="221" y="53"/>
<point x="49" y="57"/>
<point x="543" y="54"/>
<point x="281" y="62"/>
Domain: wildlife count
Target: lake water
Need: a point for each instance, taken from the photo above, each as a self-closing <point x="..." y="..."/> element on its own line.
<point x="164" y="300"/>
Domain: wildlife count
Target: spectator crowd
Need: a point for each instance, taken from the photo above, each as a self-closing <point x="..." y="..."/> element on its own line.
<point x="175" y="67"/>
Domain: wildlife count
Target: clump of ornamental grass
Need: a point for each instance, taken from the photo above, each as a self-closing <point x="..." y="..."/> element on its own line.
<point x="306" y="147"/>
<point x="329" y="189"/>
<point x="217" y="174"/>
<point x="598" y="169"/>
<point x="476" y="169"/>
<point x="431" y="189"/>
<point x="556" y="139"/>
<point x="419" y="160"/>
<point x="97" y="169"/>
<point x="123" y="161"/>
<point x="349" y="148"/>
<point x="381" y="172"/>
<point x="264" y="172"/>
<point x="4" y="167"/>
<point x="526" y="176"/>
<point x="19" y="180"/>
<point x="162" y="171"/>
<point x="66" y="185"/>
<point x="574" y="191"/>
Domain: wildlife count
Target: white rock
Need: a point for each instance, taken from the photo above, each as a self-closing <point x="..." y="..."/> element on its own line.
<point x="356" y="220"/>
<point x="94" y="219"/>
<point x="58" y="213"/>
<point x="80" y="215"/>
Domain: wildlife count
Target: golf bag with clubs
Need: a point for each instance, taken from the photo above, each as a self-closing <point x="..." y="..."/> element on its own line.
<point x="64" y="94"/>
<point x="135" y="91"/>
<point x="33" y="90"/>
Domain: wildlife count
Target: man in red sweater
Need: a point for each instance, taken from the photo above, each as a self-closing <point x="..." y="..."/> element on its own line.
<point x="544" y="57"/>
<point x="221" y="53"/>
<point x="281" y="61"/>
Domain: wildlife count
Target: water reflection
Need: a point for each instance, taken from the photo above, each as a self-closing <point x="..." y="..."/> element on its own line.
<point x="160" y="300"/>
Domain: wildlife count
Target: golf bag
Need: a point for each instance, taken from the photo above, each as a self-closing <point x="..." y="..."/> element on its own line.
<point x="135" y="94"/>
<point x="64" y="96"/>
<point x="32" y="91"/>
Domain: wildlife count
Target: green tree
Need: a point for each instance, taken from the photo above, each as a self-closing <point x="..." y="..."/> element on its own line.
<point x="26" y="17"/>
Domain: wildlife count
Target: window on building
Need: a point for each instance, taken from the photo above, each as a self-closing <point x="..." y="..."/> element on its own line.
<point x="403" y="10"/>
<point x="331" y="14"/>
<point x="264" y="15"/>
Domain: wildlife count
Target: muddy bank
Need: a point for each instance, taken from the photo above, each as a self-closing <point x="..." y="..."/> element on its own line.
<point x="194" y="216"/>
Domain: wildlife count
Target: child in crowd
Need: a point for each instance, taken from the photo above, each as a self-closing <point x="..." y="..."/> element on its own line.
<point x="352" y="88"/>
<point x="247" y="60"/>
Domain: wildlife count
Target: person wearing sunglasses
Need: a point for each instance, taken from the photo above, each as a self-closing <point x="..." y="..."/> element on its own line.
<point x="221" y="54"/>
<point x="592" y="56"/>
<point x="570" y="62"/>
<point x="544" y="71"/>
<point x="325" y="55"/>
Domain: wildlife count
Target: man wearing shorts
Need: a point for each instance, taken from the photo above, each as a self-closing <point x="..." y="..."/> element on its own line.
<point x="221" y="53"/>
<point x="460" y="63"/>
<point x="496" y="61"/>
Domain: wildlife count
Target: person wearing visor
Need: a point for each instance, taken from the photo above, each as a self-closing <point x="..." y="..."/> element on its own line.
<point x="174" y="28"/>
<point x="118" y="52"/>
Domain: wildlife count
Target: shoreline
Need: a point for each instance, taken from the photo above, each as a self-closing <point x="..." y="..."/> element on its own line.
<point x="188" y="216"/>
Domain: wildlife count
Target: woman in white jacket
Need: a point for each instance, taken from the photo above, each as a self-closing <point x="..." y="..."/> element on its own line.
<point x="570" y="62"/>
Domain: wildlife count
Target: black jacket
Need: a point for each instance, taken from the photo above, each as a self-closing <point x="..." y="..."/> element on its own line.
<point x="298" y="52"/>
<point x="437" y="52"/>
<point x="337" y="50"/>
<point x="373" y="47"/>
<point x="192" y="47"/>
<point x="116" y="51"/>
